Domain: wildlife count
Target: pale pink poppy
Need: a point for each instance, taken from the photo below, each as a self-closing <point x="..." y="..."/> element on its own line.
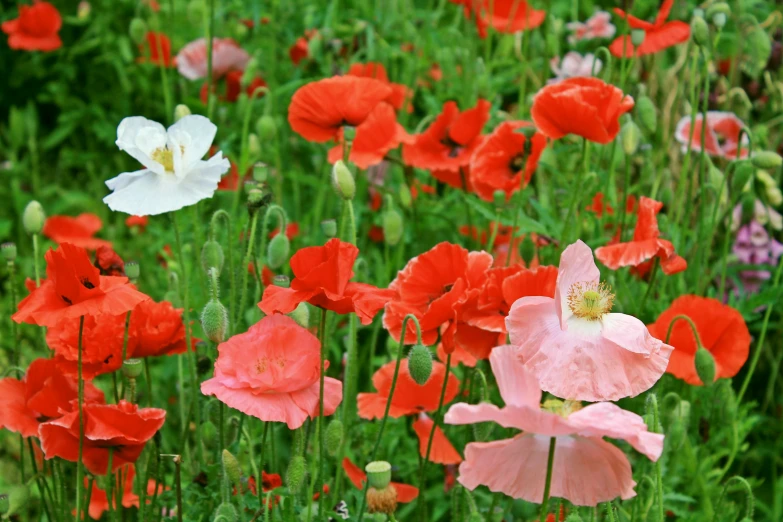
<point x="574" y="65"/>
<point x="721" y="137"/>
<point x="597" y="26"/>
<point x="226" y="56"/>
<point x="586" y="468"/>
<point x="271" y="373"/>
<point x="575" y="347"/>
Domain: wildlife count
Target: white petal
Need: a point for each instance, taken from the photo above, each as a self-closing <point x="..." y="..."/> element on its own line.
<point x="139" y="137"/>
<point x="196" y="134"/>
<point x="124" y="179"/>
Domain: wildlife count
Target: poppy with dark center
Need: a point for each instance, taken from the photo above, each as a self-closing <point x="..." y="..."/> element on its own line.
<point x="36" y="29"/>
<point x="78" y="231"/>
<point x="658" y="35"/>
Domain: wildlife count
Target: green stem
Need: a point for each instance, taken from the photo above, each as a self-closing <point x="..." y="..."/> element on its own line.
<point x="79" y="466"/>
<point x="110" y="493"/>
<point x="548" y="484"/>
<point x="321" y="440"/>
<point x="248" y="257"/>
<point x="35" y="261"/>
<point x="231" y="268"/>
<point x="210" y="36"/>
<point x="681" y="317"/>
<point x="577" y="193"/>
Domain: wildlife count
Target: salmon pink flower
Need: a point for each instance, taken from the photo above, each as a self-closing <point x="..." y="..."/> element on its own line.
<point x="227" y="55"/>
<point x="586" y="468"/>
<point x="272" y="372"/>
<point x="587" y="107"/>
<point x="658" y="36"/>
<point x="36" y="29"/>
<point x="322" y="277"/>
<point x="157" y="50"/>
<point x="74" y="288"/>
<point x="607" y="356"/>
<point x="721" y="137"/>
<point x="78" y="231"/>
<point x="405" y="492"/>
<point x="574" y="65"/>
<point x="124" y="428"/>
<point x="174" y="176"/>
<point x="722" y="332"/>
<point x="505" y="161"/>
<point x="597" y="26"/>
<point x="646" y="244"/>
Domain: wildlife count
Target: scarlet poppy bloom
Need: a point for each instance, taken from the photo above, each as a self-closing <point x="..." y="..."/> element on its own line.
<point x="227" y="55"/>
<point x="124" y="428"/>
<point x="99" y="500"/>
<point x="233" y="87"/>
<point x="375" y="137"/>
<point x="409" y="398"/>
<point x="505" y="160"/>
<point x="644" y="246"/>
<point x="722" y="332"/>
<point x="108" y="262"/>
<point x="721" y="137"/>
<point x="322" y="277"/>
<point x="400" y="93"/>
<point x="450" y="141"/>
<point x="506" y="16"/>
<point x="272" y="372"/>
<point x="157" y="50"/>
<point x="587" y="107"/>
<point x="36" y="29"/>
<point x="441" y="451"/>
<point x="157" y="329"/>
<point x="137" y="221"/>
<point x="301" y="48"/>
<point x="320" y="109"/>
<point x="405" y="492"/>
<point x="42" y="394"/>
<point x="658" y="35"/>
<point x="586" y="469"/>
<point x="78" y="231"/>
<point x="73" y="288"/>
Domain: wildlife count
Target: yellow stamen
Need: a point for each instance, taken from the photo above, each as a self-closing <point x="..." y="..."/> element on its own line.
<point x="164" y="156"/>
<point x="590" y="300"/>
<point x="561" y="408"/>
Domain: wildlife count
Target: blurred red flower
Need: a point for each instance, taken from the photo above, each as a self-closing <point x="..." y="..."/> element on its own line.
<point x="658" y="35"/>
<point x="301" y="48"/>
<point x="108" y="262"/>
<point x="505" y="16"/>
<point x="232" y="83"/>
<point x="137" y="221"/>
<point x="157" y="50"/>
<point x="78" y="231"/>
<point x="36" y="29"/>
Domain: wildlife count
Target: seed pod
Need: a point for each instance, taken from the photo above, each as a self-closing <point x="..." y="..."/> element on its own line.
<point x="705" y="366"/>
<point x="266" y="127"/>
<point x="420" y="364"/>
<point x="231" y="467"/>
<point x="180" y="111"/>
<point x="33" y="218"/>
<point x="378" y="474"/>
<point x="767" y="160"/>
<point x="342" y="181"/>
<point x="334" y="437"/>
<point x="295" y="475"/>
<point x="226" y="512"/>
<point x="9" y="251"/>
<point x="214" y="321"/>
<point x="637" y="37"/>
<point x="700" y="31"/>
<point x="132" y="270"/>
<point x="392" y="226"/>
<point x="260" y="172"/>
<point x="645" y="110"/>
<point x="277" y="251"/>
<point x="138" y="31"/>
<point x="329" y="227"/>
<point x="281" y="280"/>
<point x="132" y="368"/>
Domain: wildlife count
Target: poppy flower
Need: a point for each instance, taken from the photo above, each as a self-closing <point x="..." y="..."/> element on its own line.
<point x="644" y="246"/>
<point x="157" y="329"/>
<point x="157" y="50"/>
<point x="108" y="262"/>
<point x="174" y="175"/>
<point x="374" y="138"/>
<point x="410" y="398"/>
<point x="320" y="109"/>
<point x="608" y="355"/>
<point x="233" y="87"/>
<point x="78" y="231"/>
<point x="99" y="500"/>
<point x="441" y="451"/>
<point x="598" y="206"/>
<point x="505" y="161"/>
<point x="227" y="55"/>
<point x="721" y="137"/>
<point x="658" y="35"/>
<point x="597" y="26"/>
<point x="574" y="65"/>
<point x="405" y="492"/>
<point x="507" y="16"/>
<point x="449" y="142"/>
<point x="431" y="287"/>
<point x="586" y="469"/>
<point x="400" y="93"/>
<point x="722" y="332"/>
<point x="124" y="428"/>
<point x="36" y="29"/>
<point x="272" y="372"/>
<point x="587" y="107"/>
<point x="42" y="394"/>
<point x="73" y="287"/>
<point x="140" y="222"/>
<point x="301" y="48"/>
<point x="322" y="277"/>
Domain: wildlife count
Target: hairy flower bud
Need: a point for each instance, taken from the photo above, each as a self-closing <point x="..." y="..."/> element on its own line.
<point x="212" y="256"/>
<point x="138" y="30"/>
<point x="705" y="366"/>
<point x="482" y="431"/>
<point x="342" y="180"/>
<point x="295" y="476"/>
<point x="180" y="111"/>
<point x="226" y="512"/>
<point x="214" y="321"/>
<point x="17" y="499"/>
<point x="767" y="160"/>
<point x="645" y="110"/>
<point x="406" y="199"/>
<point x="630" y="137"/>
<point x="420" y="363"/>
<point x="231" y="467"/>
<point x="700" y="31"/>
<point x="277" y="251"/>
<point x="33" y="218"/>
<point x="637" y="37"/>
<point x="208" y="433"/>
<point x="9" y="251"/>
<point x="329" y="227"/>
<point x="334" y="436"/>
<point x="392" y="226"/>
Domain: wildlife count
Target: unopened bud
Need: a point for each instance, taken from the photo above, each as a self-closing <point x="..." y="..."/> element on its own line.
<point x="342" y="180"/>
<point x="253" y="145"/>
<point x="226" y="512"/>
<point x="214" y="321"/>
<point x="482" y="431"/>
<point x="719" y="19"/>
<point x="9" y="251"/>
<point x="212" y="256"/>
<point x="527" y="249"/>
<point x="17" y="499"/>
<point x="770" y="188"/>
<point x="266" y="127"/>
<point x="645" y="110"/>
<point x="138" y="31"/>
<point x="406" y="199"/>
<point x="33" y="218"/>
<point x="705" y="366"/>
<point x="420" y="364"/>
<point x="630" y="137"/>
<point x="295" y="475"/>
<point x="180" y="111"/>
<point x="208" y="433"/>
<point x="132" y="368"/>
<point x="637" y="37"/>
<point x="329" y="227"/>
<point x="742" y="174"/>
<point x="700" y="31"/>
<point x="257" y="198"/>
<point x="83" y="10"/>
<point x="392" y="226"/>
<point x="349" y="133"/>
<point x="301" y="315"/>
<point x="475" y="517"/>
<point x="499" y="198"/>
<point x="278" y="250"/>
<point x="767" y="160"/>
<point x="231" y="467"/>
<point x="334" y="436"/>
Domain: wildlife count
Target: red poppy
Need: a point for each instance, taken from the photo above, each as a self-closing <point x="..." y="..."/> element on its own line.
<point x="405" y="493"/>
<point x="587" y="107"/>
<point x="409" y="397"/>
<point x="73" y="288"/>
<point x="320" y="109"/>
<point x="722" y="332"/>
<point x="644" y="246"/>
<point x="505" y="161"/>
<point x="376" y="234"/>
<point x="36" y="29"/>
<point x="441" y="451"/>
<point x="157" y="50"/>
<point x="400" y="93"/>
<point x="301" y="48"/>
<point x="505" y="16"/>
<point x="137" y="221"/>
<point x="99" y="500"/>
<point x="721" y="137"/>
<point x="597" y="206"/>
<point x="233" y="87"/>
<point x="658" y="35"/>
<point x="322" y="277"/>
<point x="124" y="428"/>
<point x="450" y="141"/>
<point x="157" y="329"/>
<point x="75" y="230"/>
<point x="108" y="262"/>
<point x="42" y="394"/>
<point x="375" y="137"/>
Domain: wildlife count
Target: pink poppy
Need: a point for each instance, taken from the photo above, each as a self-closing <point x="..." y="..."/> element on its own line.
<point x="597" y="26"/>
<point x="586" y="468"/>
<point x="606" y="356"/>
<point x="226" y="56"/>
<point x="721" y="137"/>
<point x="271" y="372"/>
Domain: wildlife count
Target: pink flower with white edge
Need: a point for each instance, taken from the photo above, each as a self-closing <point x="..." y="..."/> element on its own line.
<point x="574" y="65"/>
<point x="586" y="469"/>
<point x="575" y="347"/>
<point x="721" y="137"/>
<point x="226" y="56"/>
<point x="597" y="26"/>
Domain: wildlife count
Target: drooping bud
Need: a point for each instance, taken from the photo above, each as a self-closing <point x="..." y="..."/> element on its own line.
<point x="231" y="467"/>
<point x="378" y="474"/>
<point x="420" y="364"/>
<point x="767" y="160"/>
<point x="33" y="218"/>
<point x="301" y="315"/>
<point x="132" y="270"/>
<point x="214" y="321"/>
<point x="180" y="111"/>
<point x="138" y="31"/>
<point x="392" y="226"/>
<point x="645" y="110"/>
<point x="212" y="256"/>
<point x="700" y="31"/>
<point x="630" y="137"/>
<point x="637" y="37"/>
<point x="9" y="251"/>
<point x="132" y="368"/>
<point x="482" y="431"/>
<point x="226" y="512"/>
<point x="266" y="127"/>
<point x="342" y="181"/>
<point x="329" y="227"/>
<point x="770" y="187"/>
<point x="278" y="250"/>
<point x="705" y="366"/>
<point x="295" y="475"/>
<point x="334" y="436"/>
<point x="742" y="174"/>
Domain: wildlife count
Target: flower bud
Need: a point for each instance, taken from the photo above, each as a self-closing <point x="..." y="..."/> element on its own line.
<point x="499" y="198"/>
<point x="719" y="19"/>
<point x="301" y="315"/>
<point x="334" y="436"/>
<point x="208" y="433"/>
<point x="645" y="110"/>
<point x="475" y="517"/>
<point x="253" y="145"/>
<point x="630" y="137"/>
<point x="705" y="366"/>
<point x="132" y="368"/>
<point x="382" y="500"/>
<point x="742" y="174"/>
<point x="295" y="476"/>
<point x="392" y="226"/>
<point x="378" y="474"/>
<point x="260" y="172"/>
<point x="277" y="251"/>
<point x="232" y="429"/>
<point x="329" y="227"/>
<point x="349" y="133"/>
<point x="132" y="270"/>
<point x="212" y="256"/>
<point x="718" y="7"/>
<point x="226" y="512"/>
<point x="700" y="31"/>
<point x="17" y="499"/>
<point x="214" y="321"/>
<point x="771" y="189"/>
<point x="33" y="218"/>
<point x="266" y="127"/>
<point x="406" y="199"/>
<point x="83" y="10"/>
<point x="180" y="111"/>
<point x="342" y="180"/>
<point x="257" y="198"/>
<point x="766" y="160"/>
<point x="138" y="31"/>
<point x="637" y="37"/>
<point x="527" y="249"/>
<point x="9" y="251"/>
<point x="231" y="467"/>
<point x="420" y="363"/>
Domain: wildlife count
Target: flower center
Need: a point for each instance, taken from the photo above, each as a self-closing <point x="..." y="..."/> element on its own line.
<point x="517" y="163"/>
<point x="590" y="300"/>
<point x="561" y="408"/>
<point x="164" y="156"/>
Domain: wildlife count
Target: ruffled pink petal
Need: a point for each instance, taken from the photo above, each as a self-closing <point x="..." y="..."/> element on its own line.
<point x="576" y="266"/>
<point x="307" y="398"/>
<point x="518" y="387"/>
<point x="275" y="407"/>
<point x="530" y="419"/>
<point x="630" y="333"/>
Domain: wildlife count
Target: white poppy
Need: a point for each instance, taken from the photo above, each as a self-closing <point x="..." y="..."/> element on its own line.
<point x="175" y="175"/>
